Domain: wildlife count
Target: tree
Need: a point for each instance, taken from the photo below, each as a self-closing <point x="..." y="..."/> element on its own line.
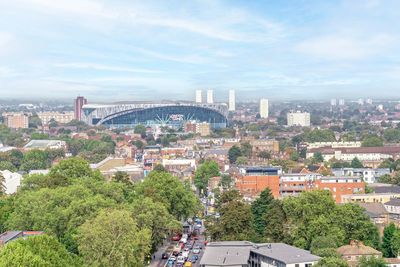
<point x="392" y="135"/>
<point x="6" y="165"/>
<point x="318" y="157"/>
<point x="2" y="184"/>
<point x="159" y="168"/>
<point x="356" y="163"/>
<point x="246" y="149"/>
<point x="204" y="172"/>
<point x="259" y="208"/>
<point x="229" y="196"/>
<point x="122" y="177"/>
<point x="388" y="233"/>
<point x="275" y="221"/>
<point x="371" y="262"/>
<point x="331" y="262"/>
<point x="35" y="160"/>
<point x="395" y="243"/>
<point x="226" y="181"/>
<point x="233" y="153"/>
<point x="164" y="188"/>
<point x="242" y="160"/>
<point x="154" y="216"/>
<point x="264" y="154"/>
<point x="371" y="141"/>
<point x="138" y="144"/>
<point x="113" y="238"/>
<point x="42" y="250"/>
<point x="140" y="129"/>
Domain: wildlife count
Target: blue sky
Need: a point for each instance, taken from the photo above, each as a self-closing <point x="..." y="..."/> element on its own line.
<point x="139" y="50"/>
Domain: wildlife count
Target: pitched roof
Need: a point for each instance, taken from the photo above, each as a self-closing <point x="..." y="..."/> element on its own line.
<point x="357" y="248"/>
<point x="374" y="209"/>
<point x="393" y="202"/>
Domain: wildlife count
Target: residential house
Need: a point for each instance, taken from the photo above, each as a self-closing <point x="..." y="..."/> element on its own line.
<point x="353" y="252"/>
<point x="14" y="235"/>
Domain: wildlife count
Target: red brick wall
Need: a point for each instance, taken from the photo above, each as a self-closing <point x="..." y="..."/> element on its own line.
<point x="253" y="185"/>
<point x="339" y="189"/>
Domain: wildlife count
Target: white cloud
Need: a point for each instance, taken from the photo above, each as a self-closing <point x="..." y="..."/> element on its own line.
<point x="82" y="65"/>
<point x="345" y="47"/>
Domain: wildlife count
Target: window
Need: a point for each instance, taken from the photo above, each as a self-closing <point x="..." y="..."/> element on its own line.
<point x="297" y="265"/>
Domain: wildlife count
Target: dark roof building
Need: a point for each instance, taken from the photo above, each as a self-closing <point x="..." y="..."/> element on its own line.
<point x="13" y="235"/>
<point x="245" y="254"/>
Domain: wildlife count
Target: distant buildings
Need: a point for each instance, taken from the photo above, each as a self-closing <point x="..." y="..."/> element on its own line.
<point x="16" y="120"/>
<point x="265" y="145"/>
<point x="199" y="98"/>
<point x="46" y="144"/>
<point x="12" y="181"/>
<point x="355" y="251"/>
<point x="298" y="119"/>
<point x="60" y="117"/>
<point x="333" y="102"/>
<point x="202" y="128"/>
<point x="264" y="109"/>
<point x="232" y="100"/>
<point x="79" y="102"/>
<point x="253" y="180"/>
<point x="334" y="144"/>
<point x="210" y="96"/>
<point x="341" y="102"/>
<point x="369" y="175"/>
<point x="247" y="254"/>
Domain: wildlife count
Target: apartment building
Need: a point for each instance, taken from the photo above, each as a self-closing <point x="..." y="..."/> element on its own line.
<point x="252" y="180"/>
<point x="16" y="120"/>
<point x="265" y="145"/>
<point x="340" y="185"/>
<point x="333" y="144"/>
<point x="369" y="175"/>
<point x="60" y="117"/>
<point x="298" y="119"/>
<point x="292" y="184"/>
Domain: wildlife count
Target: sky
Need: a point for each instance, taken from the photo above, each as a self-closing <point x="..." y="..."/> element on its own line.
<point x="114" y="50"/>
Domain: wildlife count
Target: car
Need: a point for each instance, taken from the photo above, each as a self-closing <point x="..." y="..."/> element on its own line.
<point x="170" y="263"/>
<point x="188" y="264"/>
<point x="188" y="246"/>
<point x="196" y="251"/>
<point x="176" y="237"/>
<point x="194" y="258"/>
<point x="172" y="258"/>
<point x="180" y="260"/>
<point x="164" y="256"/>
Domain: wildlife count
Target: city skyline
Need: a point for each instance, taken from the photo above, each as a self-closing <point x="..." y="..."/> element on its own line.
<point x="113" y="51"/>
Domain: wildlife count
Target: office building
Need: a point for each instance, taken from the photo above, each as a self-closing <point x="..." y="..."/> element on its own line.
<point x="60" y="117"/>
<point x="333" y="102"/>
<point x="253" y="180"/>
<point x="360" y="101"/>
<point x="341" y="102"/>
<point x="79" y="102"/>
<point x="232" y="100"/>
<point x="369" y="101"/>
<point x="264" y="108"/>
<point x="198" y="96"/>
<point x="298" y="119"/>
<point x="16" y="120"/>
<point x="210" y="96"/>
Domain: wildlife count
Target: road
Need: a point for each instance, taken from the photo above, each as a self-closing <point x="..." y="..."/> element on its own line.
<point x="157" y="261"/>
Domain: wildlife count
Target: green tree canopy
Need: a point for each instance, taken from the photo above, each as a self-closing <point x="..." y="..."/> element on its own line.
<point x="42" y="250"/>
<point x="233" y="153"/>
<point x="356" y="163"/>
<point x="388" y="233"/>
<point x="371" y="262"/>
<point x="371" y="141"/>
<point x="167" y="189"/>
<point x="204" y="172"/>
<point x="113" y="238"/>
<point x="259" y="208"/>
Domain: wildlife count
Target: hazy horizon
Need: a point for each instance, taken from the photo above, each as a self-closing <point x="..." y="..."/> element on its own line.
<point x="113" y="51"/>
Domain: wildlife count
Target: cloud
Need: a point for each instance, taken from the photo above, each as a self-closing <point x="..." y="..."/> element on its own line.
<point x="345" y="47"/>
<point x="82" y="65"/>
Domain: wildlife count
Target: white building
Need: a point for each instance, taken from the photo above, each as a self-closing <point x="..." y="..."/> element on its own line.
<point x="232" y="100"/>
<point x="298" y="119"/>
<point x="333" y="102"/>
<point x="341" y="102"/>
<point x="264" y="109"/>
<point x="210" y="96"/>
<point x="46" y="144"/>
<point x="334" y="144"/>
<point x="12" y="181"/>
<point x="369" y="101"/>
<point x="60" y="117"/>
<point x="198" y="96"/>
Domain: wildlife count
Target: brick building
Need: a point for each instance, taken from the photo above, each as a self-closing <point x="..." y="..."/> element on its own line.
<point x="339" y="186"/>
<point x="252" y="180"/>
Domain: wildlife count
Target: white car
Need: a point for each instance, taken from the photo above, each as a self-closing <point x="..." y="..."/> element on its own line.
<point x="196" y="251"/>
<point x="183" y="240"/>
<point x="180" y="259"/>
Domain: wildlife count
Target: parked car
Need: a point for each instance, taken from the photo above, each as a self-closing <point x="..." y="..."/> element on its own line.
<point x="188" y="264"/>
<point x="176" y="237"/>
<point x="164" y="256"/>
<point x="196" y="251"/>
<point x="180" y="260"/>
<point x="170" y="263"/>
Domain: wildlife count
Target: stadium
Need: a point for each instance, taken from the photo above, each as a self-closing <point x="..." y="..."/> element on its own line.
<point x="173" y="114"/>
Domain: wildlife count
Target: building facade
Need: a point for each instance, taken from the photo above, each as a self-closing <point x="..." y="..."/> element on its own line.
<point x="264" y="108"/>
<point x="232" y="100"/>
<point x="199" y="98"/>
<point x="16" y="120"/>
<point x="339" y="186"/>
<point x="210" y="96"/>
<point x="298" y="119"/>
<point x="78" y="105"/>
<point x="60" y="117"/>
